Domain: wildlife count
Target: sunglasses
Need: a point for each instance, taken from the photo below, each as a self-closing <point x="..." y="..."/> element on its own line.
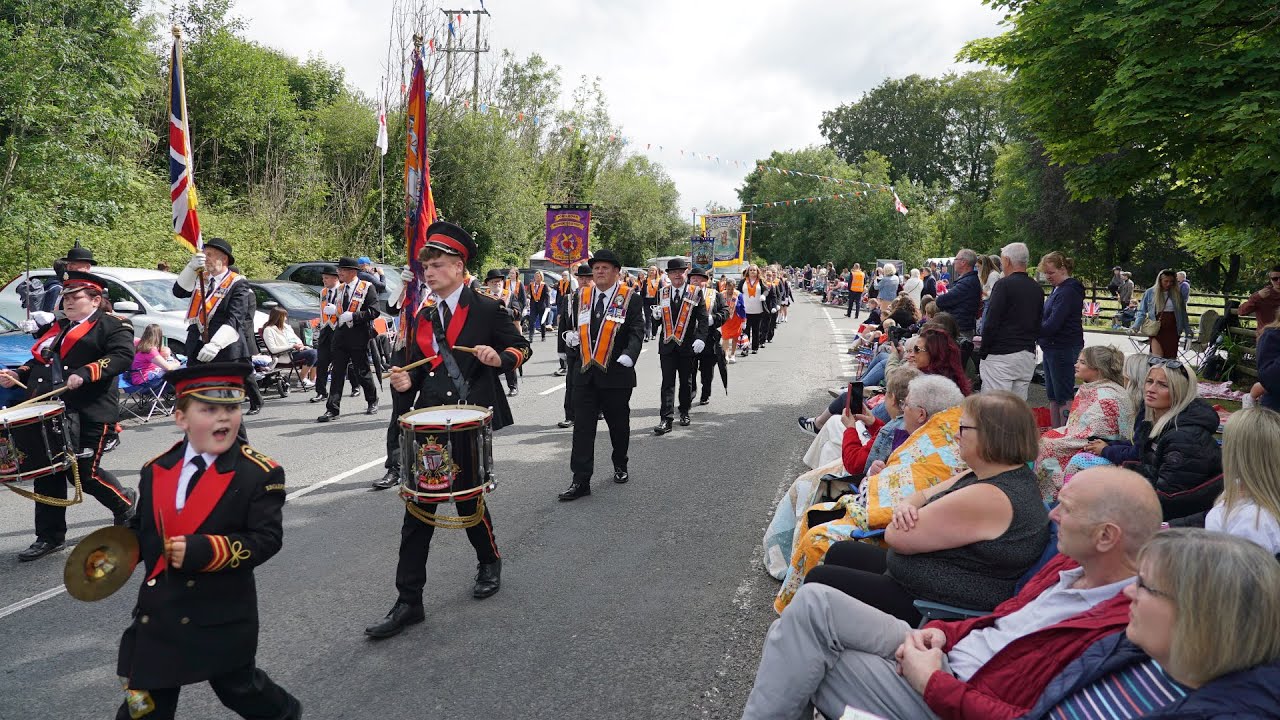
<point x="1275" y="278"/>
<point x="1155" y="360"/>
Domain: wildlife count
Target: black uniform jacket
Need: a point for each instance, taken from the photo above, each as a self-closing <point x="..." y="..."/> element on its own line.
<point x="236" y="309"/>
<point x="201" y="621"/>
<point x="696" y="328"/>
<point x="98" y="349"/>
<point x="357" y="335"/>
<point x="628" y="341"/>
<point x="478" y="320"/>
<point x="715" y="319"/>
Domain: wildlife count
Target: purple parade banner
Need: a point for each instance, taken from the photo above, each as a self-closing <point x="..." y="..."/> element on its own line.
<point x="567" y="229"/>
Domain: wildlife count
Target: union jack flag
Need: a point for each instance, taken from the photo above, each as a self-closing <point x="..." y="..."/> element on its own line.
<point x="182" y="188"/>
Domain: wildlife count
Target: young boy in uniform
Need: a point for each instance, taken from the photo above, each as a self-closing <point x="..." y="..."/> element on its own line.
<point x="209" y="512"/>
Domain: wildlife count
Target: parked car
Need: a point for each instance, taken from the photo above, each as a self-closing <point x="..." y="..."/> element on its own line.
<point x="15" y="349"/>
<point x="301" y="301"/>
<point x="308" y="273"/>
<point x="141" y="296"/>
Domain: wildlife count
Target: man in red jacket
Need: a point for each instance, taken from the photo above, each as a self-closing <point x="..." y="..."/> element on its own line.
<point x="834" y="652"/>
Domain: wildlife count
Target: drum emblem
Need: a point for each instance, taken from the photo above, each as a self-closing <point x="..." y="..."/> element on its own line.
<point x="434" y="468"/>
<point x="10" y="457"/>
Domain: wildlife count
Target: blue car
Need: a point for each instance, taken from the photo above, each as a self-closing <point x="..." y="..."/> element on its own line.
<point x="15" y="349"/>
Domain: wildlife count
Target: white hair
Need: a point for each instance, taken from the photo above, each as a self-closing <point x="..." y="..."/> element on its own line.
<point x="934" y="393"/>
<point x="915" y="272"/>
<point x="891" y="269"/>
<point x="1017" y="254"/>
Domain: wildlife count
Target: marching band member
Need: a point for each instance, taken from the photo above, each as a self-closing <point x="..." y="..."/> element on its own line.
<point x="755" y="299"/>
<point x="324" y="331"/>
<point x="221" y="307"/>
<point x="85" y="350"/>
<point x="717" y="314"/>
<point x="401" y="403"/>
<point x="211" y="513"/>
<point x="357" y="308"/>
<point x="684" y="336"/>
<point x="497" y="287"/>
<point x="653" y="283"/>
<point x="605" y="345"/>
<point x="458" y="316"/>
<point x="564" y="324"/>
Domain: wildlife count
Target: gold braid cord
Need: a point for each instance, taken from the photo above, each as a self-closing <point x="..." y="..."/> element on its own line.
<point x="56" y="502"/>
<point x="448" y="522"/>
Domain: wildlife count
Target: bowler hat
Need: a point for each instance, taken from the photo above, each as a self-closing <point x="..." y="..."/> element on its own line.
<point x="495" y="274"/>
<point x="700" y="273"/>
<point x="452" y="239"/>
<point x="221" y="244"/>
<point x="584" y="270"/>
<point x="677" y="263"/>
<point x="347" y="263"/>
<point x="328" y="270"/>
<point x="605" y="256"/>
<point x="82" y="254"/>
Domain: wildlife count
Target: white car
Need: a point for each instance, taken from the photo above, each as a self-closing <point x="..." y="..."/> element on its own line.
<point x="142" y="296"/>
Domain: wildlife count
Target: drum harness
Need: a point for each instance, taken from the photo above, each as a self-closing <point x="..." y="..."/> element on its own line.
<point x="55" y="370"/>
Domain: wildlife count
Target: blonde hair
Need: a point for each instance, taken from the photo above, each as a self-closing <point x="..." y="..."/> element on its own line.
<point x="1227" y="594"/>
<point x="1182" y="392"/>
<point x="1135" y="374"/>
<point x="898" y="380"/>
<point x="1057" y="260"/>
<point x="1107" y="360"/>
<point x="1007" y="431"/>
<point x="1159" y="297"/>
<point x="1249" y="472"/>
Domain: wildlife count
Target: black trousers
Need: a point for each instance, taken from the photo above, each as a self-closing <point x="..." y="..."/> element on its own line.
<point x="676" y="367"/>
<point x="401" y="403"/>
<point x="855" y="304"/>
<point x="755" y="329"/>
<point x="248" y="692"/>
<point x="651" y="324"/>
<point x="323" y="361"/>
<point x="706" y="368"/>
<point x="770" y="325"/>
<point x="512" y="379"/>
<point x="588" y="402"/>
<point x="86" y="435"/>
<point x="858" y="570"/>
<point x="253" y="392"/>
<point x="568" y="397"/>
<point x="342" y="358"/>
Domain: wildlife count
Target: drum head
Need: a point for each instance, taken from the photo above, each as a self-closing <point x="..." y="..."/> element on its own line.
<point x="457" y="417"/>
<point x="17" y="416"/>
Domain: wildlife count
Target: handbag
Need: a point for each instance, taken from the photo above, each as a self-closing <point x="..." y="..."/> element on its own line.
<point x="1150" y="327"/>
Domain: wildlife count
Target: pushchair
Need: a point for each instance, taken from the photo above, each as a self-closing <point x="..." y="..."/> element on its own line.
<point x="1124" y="319"/>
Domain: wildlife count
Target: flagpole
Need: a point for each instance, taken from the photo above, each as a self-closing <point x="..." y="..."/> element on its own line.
<point x="382" y="206"/>
<point x="177" y="71"/>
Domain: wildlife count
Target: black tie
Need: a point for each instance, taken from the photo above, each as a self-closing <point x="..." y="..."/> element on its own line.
<point x="445" y="316"/>
<point x="600" y="306"/>
<point x="198" y="463"/>
<point x="346" y="297"/>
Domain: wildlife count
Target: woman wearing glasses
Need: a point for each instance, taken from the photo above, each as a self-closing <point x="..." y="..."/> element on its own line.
<point x="1203" y="639"/>
<point x="1177" y="451"/>
<point x="1163" y="302"/>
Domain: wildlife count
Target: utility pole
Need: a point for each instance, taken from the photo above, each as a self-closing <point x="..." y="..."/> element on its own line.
<point x="452" y="16"/>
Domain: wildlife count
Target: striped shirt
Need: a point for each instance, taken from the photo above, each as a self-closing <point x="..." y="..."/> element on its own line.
<point x="1133" y="692"/>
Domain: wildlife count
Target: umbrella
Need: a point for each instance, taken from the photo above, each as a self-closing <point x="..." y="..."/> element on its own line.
<point x="723" y="363"/>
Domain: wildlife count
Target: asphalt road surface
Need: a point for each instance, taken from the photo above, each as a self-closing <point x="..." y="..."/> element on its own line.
<point x="645" y="600"/>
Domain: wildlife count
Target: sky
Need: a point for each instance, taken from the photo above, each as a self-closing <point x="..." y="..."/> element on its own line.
<point x="731" y="79"/>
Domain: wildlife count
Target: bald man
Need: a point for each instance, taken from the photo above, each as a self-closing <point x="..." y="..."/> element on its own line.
<point x="835" y="652"/>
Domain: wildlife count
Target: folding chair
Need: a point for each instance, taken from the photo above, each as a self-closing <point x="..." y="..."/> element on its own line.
<point x="1092" y="310"/>
<point x="150" y="398"/>
<point x="1195" y="349"/>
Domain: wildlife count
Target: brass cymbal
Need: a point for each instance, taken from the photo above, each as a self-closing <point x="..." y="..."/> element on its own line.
<point x="101" y="563"/>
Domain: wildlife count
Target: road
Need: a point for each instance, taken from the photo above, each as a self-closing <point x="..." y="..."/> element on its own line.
<point x="645" y="600"/>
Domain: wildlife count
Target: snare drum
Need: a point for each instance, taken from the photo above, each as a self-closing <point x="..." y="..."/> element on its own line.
<point x="446" y="455"/>
<point x="34" y="442"/>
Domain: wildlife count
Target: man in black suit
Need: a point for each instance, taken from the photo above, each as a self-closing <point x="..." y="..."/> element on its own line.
<point x="357" y="308"/>
<point x="717" y="313"/>
<point x="683" y="316"/>
<point x="609" y="320"/>
<point x="324" y="330"/>
<point x="496" y="287"/>
<point x="220" y="305"/>
<point x="453" y="316"/>
<point x="211" y="513"/>
<point x="85" y="350"/>
<point x="565" y="323"/>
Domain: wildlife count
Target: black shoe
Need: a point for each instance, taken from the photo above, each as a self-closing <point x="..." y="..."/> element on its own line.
<point x="38" y="549"/>
<point x="565" y="424"/>
<point x="372" y="409"/>
<point x="600" y="416"/>
<point x="355" y="390"/>
<point x="684" y="421"/>
<point x="327" y="416"/>
<point x="514" y="391"/>
<point x="253" y="411"/>
<point x="575" y="491"/>
<point x="488" y="579"/>
<point x="111" y="444"/>
<point x="318" y="398"/>
<point x="620" y="476"/>
<point x="389" y="480"/>
<point x="122" y="516"/>
<point x="705" y="400"/>
<point x="662" y="428"/>
<point x="560" y="373"/>
<point x="401" y="616"/>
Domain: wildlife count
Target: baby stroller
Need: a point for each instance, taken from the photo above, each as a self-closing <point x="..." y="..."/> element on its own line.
<point x="1124" y="318"/>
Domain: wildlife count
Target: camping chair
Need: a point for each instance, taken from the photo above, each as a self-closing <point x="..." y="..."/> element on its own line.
<point x="150" y="398"/>
<point x="283" y="361"/>
<point x="930" y="611"/>
<point x="1195" y="349"/>
<point x="1092" y="310"/>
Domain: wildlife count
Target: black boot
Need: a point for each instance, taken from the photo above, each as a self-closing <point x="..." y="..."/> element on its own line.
<point x="663" y="427"/>
<point x="401" y="616"/>
<point x="488" y="579"/>
<point x="389" y="480"/>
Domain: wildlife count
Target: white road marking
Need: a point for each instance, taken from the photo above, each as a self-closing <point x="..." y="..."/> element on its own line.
<point x="56" y="591"/>
<point x="548" y="391"/>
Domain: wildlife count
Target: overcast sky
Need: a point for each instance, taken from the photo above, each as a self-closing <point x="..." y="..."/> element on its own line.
<point x="735" y="79"/>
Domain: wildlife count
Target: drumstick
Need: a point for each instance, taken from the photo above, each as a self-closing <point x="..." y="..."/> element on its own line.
<point x="424" y="361"/>
<point x="46" y="396"/>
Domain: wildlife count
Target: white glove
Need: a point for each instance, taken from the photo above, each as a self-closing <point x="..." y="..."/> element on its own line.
<point x="406" y="275"/>
<point x="657" y="312"/>
<point x="698" y="347"/>
<point x="196" y="262"/>
<point x="330" y="309"/>
<point x="28" y="326"/>
<point x="208" y="352"/>
<point x="626" y="361"/>
<point x="187" y="278"/>
<point x="345" y="318"/>
<point x="226" y="335"/>
<point x="571" y="338"/>
<point x="42" y="318"/>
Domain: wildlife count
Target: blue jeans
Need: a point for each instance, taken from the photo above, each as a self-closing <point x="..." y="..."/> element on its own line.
<point x="1060" y="373"/>
<point x="876" y="370"/>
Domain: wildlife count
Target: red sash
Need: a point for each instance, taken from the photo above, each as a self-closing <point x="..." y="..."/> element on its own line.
<point x="69" y="341"/>
<point x="426" y="336"/>
<point x="210" y="488"/>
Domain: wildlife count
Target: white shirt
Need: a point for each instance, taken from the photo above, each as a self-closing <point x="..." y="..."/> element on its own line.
<point x="1052" y="606"/>
<point x="1247" y="521"/>
<point x="753" y="304"/>
<point x="608" y="295"/>
<point x="452" y="299"/>
<point x="347" y="292"/>
<point x="189" y="471"/>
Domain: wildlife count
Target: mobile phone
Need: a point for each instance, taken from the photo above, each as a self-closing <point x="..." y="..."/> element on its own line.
<point x="854" y="391"/>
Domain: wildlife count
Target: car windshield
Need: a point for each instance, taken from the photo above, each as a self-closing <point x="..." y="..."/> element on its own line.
<point x="158" y="293"/>
<point x="6" y="326"/>
<point x="294" y="296"/>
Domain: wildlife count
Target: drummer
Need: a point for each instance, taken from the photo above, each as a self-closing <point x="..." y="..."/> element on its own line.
<point x="85" y="351"/>
<point x="464" y="318"/>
